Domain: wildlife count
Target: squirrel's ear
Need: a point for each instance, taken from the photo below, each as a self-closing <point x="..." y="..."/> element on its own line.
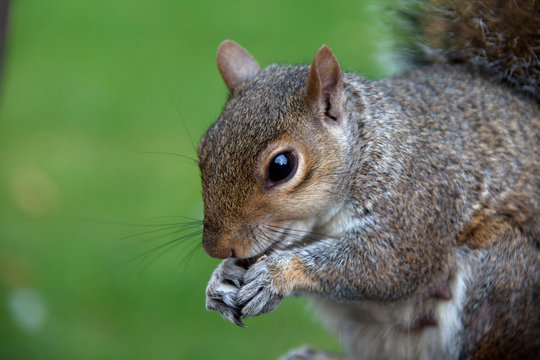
<point x="325" y="83"/>
<point x="235" y="64"/>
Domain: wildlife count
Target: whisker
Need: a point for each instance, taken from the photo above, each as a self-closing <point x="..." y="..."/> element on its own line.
<point x="120" y="223"/>
<point x="279" y="245"/>
<point x="281" y="236"/>
<point x="177" y="217"/>
<point x="308" y="232"/>
<point x="276" y="231"/>
<point x="154" y="251"/>
<point x="193" y="229"/>
<point x="187" y="257"/>
<point x="185" y="157"/>
<point x="258" y="243"/>
<point x="179" y="228"/>
<point x="153" y="238"/>
<point x="287" y="235"/>
<point x="183" y="121"/>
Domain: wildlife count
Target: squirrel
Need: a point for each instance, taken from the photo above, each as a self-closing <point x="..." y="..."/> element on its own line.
<point x="406" y="209"/>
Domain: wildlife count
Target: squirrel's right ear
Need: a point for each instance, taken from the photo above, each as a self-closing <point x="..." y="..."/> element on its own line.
<point x="325" y="83"/>
<point x="235" y="64"/>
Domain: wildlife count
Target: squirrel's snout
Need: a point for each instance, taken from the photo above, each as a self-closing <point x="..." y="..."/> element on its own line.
<point x="219" y="252"/>
<point x="215" y="246"/>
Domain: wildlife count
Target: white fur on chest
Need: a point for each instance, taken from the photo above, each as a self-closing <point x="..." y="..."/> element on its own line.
<point x="370" y="330"/>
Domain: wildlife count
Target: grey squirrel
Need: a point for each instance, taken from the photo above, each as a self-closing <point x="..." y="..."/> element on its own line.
<point x="406" y="209"/>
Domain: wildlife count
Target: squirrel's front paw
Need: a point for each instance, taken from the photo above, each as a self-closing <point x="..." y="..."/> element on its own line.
<point x="222" y="290"/>
<point x="258" y="295"/>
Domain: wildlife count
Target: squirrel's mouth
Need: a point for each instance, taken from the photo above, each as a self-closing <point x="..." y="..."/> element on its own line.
<point x="248" y="262"/>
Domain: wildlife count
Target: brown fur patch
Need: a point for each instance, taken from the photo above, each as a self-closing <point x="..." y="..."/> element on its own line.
<point x="293" y="277"/>
<point x="483" y="229"/>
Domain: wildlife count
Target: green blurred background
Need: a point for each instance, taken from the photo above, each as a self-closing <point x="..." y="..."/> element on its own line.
<point x="91" y="91"/>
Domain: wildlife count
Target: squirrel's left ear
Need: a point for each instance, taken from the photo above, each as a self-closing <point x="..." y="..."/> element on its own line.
<point x="325" y="83"/>
<point x="235" y="64"/>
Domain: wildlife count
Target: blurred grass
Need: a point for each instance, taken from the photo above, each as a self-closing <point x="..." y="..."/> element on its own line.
<point x="88" y="87"/>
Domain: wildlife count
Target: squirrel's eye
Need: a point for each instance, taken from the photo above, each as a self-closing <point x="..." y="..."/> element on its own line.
<point x="281" y="166"/>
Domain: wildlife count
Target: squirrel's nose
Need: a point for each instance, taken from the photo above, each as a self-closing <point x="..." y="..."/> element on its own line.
<point x="219" y="252"/>
<point x="216" y="246"/>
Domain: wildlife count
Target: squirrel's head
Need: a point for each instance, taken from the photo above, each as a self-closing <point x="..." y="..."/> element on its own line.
<point x="274" y="155"/>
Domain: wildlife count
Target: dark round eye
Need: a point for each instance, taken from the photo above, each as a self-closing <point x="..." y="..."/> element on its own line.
<point x="281" y="166"/>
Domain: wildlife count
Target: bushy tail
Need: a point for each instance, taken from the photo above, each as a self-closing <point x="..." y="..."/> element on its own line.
<point x="502" y="36"/>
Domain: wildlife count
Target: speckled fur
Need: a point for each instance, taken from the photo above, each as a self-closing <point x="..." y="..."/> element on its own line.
<point x="433" y="174"/>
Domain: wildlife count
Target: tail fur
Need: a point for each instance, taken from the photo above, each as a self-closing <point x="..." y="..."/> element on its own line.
<point x="501" y="36"/>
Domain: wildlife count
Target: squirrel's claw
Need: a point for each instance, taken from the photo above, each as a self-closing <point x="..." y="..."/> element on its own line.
<point x="233" y="317"/>
<point x="228" y="313"/>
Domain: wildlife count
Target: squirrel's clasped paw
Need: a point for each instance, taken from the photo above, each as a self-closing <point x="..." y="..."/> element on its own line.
<point x="257" y="295"/>
<point x="237" y="292"/>
<point x="222" y="290"/>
